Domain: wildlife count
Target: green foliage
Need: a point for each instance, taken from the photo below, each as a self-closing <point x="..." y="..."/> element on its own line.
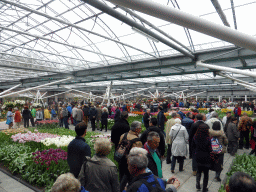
<point x="243" y="163"/>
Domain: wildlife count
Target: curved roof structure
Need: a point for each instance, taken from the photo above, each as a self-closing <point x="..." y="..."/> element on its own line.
<point x="99" y="42"/>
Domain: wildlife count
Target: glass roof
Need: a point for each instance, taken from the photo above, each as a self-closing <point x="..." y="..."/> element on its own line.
<point x="44" y="38"/>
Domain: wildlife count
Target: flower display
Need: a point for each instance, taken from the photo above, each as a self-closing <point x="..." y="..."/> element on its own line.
<point x="36" y="105"/>
<point x="14" y="131"/>
<point x="101" y="136"/>
<point x="46" y="157"/>
<point x="133" y="115"/>
<point x="19" y="103"/>
<point x="58" y="141"/>
<point x="8" y="104"/>
<point x="48" y="122"/>
<point x="29" y="136"/>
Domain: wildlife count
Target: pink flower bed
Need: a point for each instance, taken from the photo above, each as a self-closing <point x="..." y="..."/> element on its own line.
<point x="29" y="136"/>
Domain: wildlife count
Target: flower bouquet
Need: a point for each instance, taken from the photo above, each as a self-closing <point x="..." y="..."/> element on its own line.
<point x="19" y="103"/>
<point x="37" y="105"/>
<point x="8" y="104"/>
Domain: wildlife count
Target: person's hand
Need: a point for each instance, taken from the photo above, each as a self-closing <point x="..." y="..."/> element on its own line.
<point x="171" y="180"/>
<point x="176" y="183"/>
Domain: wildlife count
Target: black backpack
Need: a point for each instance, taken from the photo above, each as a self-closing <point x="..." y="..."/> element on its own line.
<point x="124" y="148"/>
<point x="136" y="185"/>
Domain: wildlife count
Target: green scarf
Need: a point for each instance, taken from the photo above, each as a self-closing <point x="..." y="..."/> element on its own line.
<point x="158" y="164"/>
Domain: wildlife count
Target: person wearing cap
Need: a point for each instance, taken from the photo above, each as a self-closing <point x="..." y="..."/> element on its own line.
<point x="226" y="120"/>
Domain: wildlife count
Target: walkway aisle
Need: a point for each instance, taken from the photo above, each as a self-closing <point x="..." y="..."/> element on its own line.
<point x="188" y="181"/>
<point x="8" y="184"/>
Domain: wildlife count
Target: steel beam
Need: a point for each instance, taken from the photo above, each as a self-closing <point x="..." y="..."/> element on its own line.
<point x="10" y="89"/>
<point x="220" y="12"/>
<point x="154" y="27"/>
<point x="55" y="94"/>
<point x="108" y="10"/>
<point x="28" y="89"/>
<point x="73" y="25"/>
<point x="65" y="44"/>
<point x="236" y="80"/>
<point x="228" y="69"/>
<point x="190" y="21"/>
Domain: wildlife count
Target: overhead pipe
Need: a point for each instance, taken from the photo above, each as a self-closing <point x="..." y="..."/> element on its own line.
<point x="28" y="89"/>
<point x="220" y="12"/>
<point x="10" y="89"/>
<point x="154" y="27"/>
<point x="195" y="94"/>
<point x="55" y="94"/>
<point x="228" y="69"/>
<point x="235" y="79"/>
<point x="114" y="13"/>
<point x="190" y="21"/>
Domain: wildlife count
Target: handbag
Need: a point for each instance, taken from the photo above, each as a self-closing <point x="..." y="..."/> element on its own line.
<point x="8" y="121"/>
<point x="175" y="137"/>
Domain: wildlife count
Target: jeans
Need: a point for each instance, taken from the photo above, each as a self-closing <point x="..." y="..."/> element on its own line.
<point x="26" y="122"/>
<point x="74" y="122"/>
<point x="65" y="120"/>
<point x="220" y="161"/>
<point x="180" y="161"/>
<point x="106" y="127"/>
<point x="32" y="122"/>
<point x="61" y="122"/>
<point x="206" y="176"/>
<point x="93" y="124"/>
<point x="244" y="134"/>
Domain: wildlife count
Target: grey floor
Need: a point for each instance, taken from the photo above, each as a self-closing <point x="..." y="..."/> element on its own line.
<point x="7" y="184"/>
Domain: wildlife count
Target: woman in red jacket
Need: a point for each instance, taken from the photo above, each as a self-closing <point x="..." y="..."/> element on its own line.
<point x="237" y="112"/>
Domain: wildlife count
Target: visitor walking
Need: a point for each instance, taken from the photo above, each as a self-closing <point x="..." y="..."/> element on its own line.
<point x="26" y="116"/>
<point x="233" y="136"/>
<point x="179" y="137"/>
<point x="244" y="127"/>
<point x="104" y="119"/>
<point x="17" y="118"/>
<point x="202" y="147"/>
<point x="9" y="118"/>
<point x="93" y="115"/>
<point x="65" y="116"/>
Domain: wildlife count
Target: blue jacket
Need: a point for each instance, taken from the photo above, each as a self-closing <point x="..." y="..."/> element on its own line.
<point x="161" y="120"/>
<point x="77" y="150"/>
<point x="182" y="115"/>
<point x="181" y="104"/>
<point x="187" y="122"/>
<point x="142" y="188"/>
<point x="69" y="108"/>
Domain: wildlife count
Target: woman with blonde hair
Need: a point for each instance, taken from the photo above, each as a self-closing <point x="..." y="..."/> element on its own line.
<point x="104" y="119"/>
<point x="99" y="174"/>
<point x="67" y="183"/>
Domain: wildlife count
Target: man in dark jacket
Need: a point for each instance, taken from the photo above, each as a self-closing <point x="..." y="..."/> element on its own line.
<point x="161" y="119"/>
<point x="154" y="157"/>
<point x="93" y="116"/>
<point x="146" y="118"/>
<point x="78" y="150"/>
<point x="187" y="121"/>
<point x="143" y="181"/>
<point x="119" y="128"/>
<point x="117" y="115"/>
<point x="153" y="127"/>
<point x="200" y="118"/>
<point x="86" y="111"/>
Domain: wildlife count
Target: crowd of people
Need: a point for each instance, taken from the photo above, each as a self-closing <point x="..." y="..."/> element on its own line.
<point x="203" y="138"/>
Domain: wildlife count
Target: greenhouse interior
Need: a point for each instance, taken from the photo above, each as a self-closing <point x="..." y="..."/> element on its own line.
<point x="80" y="78"/>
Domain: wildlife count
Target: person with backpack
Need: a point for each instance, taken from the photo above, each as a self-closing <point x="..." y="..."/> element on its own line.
<point x="219" y="142"/>
<point x="143" y="180"/>
<point x="128" y="141"/>
<point x="202" y="150"/>
<point x="233" y="136"/>
<point x="244" y="127"/>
